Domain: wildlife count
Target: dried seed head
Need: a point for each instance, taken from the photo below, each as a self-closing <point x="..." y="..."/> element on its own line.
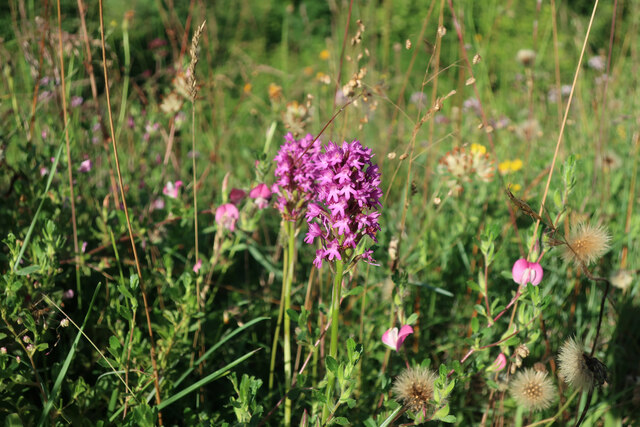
<point x="586" y="243"/>
<point x="191" y="71"/>
<point x="572" y="366"/>
<point x="533" y="390"/>
<point x="414" y="388"/>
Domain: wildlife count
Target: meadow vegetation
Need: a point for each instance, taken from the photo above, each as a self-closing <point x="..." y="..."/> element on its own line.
<point x="319" y="213"/>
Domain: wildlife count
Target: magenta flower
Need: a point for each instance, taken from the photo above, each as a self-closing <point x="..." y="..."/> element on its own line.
<point x="295" y="175"/>
<point x="172" y="190"/>
<point x="227" y="215"/>
<point x="394" y="339"/>
<point x="499" y="364"/>
<point x="85" y="166"/>
<point x="525" y="272"/>
<point x="261" y="194"/>
<point x="197" y="266"/>
<point x="236" y="195"/>
<point x="347" y="201"/>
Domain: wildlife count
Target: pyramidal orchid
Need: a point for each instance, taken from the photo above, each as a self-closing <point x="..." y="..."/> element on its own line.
<point x="346" y="206"/>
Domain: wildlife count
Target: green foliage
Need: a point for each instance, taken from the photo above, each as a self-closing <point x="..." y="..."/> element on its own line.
<point x="449" y="234"/>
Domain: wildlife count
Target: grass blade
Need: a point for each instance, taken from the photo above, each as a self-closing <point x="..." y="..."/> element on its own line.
<point x="211" y="377"/>
<point x="67" y="362"/>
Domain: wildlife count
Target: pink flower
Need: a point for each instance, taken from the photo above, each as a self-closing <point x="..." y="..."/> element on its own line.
<point x="85" y="166"/>
<point x="261" y="194"/>
<point x="499" y="364"/>
<point x="158" y="204"/>
<point x="394" y="339"/>
<point x="171" y="189"/>
<point x="525" y="272"/>
<point x="197" y="266"/>
<point x="227" y="215"/>
<point x="84" y="247"/>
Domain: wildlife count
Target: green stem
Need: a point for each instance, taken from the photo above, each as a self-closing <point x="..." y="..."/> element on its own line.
<point x="289" y="226"/>
<point x="276" y="334"/>
<point x="333" y="346"/>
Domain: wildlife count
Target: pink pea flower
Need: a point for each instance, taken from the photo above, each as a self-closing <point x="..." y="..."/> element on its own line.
<point x="197" y="266"/>
<point x="394" y="339"/>
<point x="261" y="194"/>
<point x="158" y="204"/>
<point x="499" y="364"/>
<point x="84" y="247"/>
<point x="227" y="215"/>
<point x="525" y="272"/>
<point x="171" y="189"/>
<point x="236" y="195"/>
<point x="85" y="166"/>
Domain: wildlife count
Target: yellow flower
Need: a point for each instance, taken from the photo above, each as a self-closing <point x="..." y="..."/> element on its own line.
<point x="275" y="92"/>
<point x="478" y="148"/>
<point x="324" y="55"/>
<point x="308" y="71"/>
<point x="323" y="78"/>
<point x="510" y="166"/>
<point x="515" y="188"/>
<point x="247" y="88"/>
<point x="504" y="167"/>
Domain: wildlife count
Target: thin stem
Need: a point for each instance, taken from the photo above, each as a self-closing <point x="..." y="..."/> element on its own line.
<point x="69" y="170"/>
<point x="276" y="334"/>
<point x="290" y="227"/>
<point x="564" y="123"/>
<point x="152" y="349"/>
<point x="333" y="346"/>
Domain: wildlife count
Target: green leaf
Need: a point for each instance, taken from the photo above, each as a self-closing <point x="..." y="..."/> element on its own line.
<point x="355" y="291"/>
<point x="449" y="419"/>
<point x="28" y="270"/>
<point x="332" y="364"/>
<point x="342" y="421"/>
<point x="293" y="315"/>
<point x="442" y="412"/>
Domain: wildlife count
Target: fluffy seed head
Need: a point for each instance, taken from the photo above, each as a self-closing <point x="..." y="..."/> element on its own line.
<point x="532" y="389"/>
<point x="586" y="243"/>
<point x="572" y="366"/>
<point x="414" y="387"/>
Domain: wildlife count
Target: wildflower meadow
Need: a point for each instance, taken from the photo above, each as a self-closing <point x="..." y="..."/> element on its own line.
<point x="314" y="213"/>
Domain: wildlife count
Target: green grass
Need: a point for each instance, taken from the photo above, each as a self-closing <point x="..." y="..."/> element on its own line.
<point x="448" y="235"/>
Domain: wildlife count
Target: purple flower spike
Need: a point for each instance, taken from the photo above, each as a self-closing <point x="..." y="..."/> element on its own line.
<point x="346" y="203"/>
<point x="525" y="272"/>
<point x="295" y="175"/>
<point x="227" y="215"/>
<point x="394" y="339"/>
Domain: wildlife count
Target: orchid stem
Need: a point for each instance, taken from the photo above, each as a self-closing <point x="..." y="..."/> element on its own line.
<point x="290" y="228"/>
<point x="333" y="346"/>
